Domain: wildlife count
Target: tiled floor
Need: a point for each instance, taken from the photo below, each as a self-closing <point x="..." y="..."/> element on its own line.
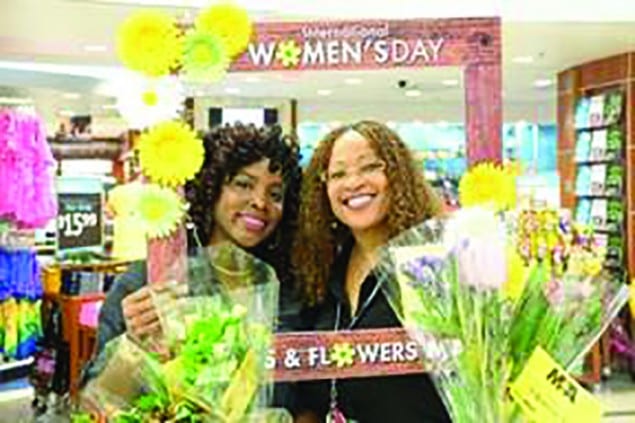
<point x="618" y="397"/>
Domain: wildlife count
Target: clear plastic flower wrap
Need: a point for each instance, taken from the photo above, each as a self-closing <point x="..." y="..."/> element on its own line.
<point x="209" y="363"/>
<point x="479" y="309"/>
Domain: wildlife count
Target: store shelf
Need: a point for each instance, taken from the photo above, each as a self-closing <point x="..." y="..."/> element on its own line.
<point x="598" y="128"/>
<point x="600" y="196"/>
<point x="606" y="160"/>
<point x="15" y="364"/>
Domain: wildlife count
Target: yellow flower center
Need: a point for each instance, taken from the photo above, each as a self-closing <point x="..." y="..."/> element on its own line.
<point x="150" y="98"/>
<point x="202" y="54"/>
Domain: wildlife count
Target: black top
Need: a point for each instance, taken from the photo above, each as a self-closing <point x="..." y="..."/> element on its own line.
<point x="406" y="399"/>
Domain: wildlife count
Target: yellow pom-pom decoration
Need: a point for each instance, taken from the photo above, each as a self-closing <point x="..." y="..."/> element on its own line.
<point x="229" y="22"/>
<point x="170" y="153"/>
<point x="205" y="57"/>
<point x="160" y="210"/>
<point x="488" y="184"/>
<point x="148" y="41"/>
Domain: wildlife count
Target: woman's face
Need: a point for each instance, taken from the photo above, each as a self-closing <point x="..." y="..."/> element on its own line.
<point x="249" y="207"/>
<point x="356" y="183"/>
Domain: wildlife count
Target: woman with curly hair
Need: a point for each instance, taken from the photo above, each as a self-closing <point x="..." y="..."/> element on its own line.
<point x="245" y="193"/>
<point x="361" y="188"/>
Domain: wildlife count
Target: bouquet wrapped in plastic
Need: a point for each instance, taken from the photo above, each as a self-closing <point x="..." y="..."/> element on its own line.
<point x="479" y="307"/>
<point x="209" y="364"/>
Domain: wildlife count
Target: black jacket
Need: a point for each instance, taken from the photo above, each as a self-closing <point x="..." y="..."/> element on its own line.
<point x="406" y="399"/>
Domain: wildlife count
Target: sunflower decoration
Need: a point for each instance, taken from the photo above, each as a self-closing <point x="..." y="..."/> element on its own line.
<point x="148" y="41"/>
<point x="342" y="355"/>
<point x="228" y="22"/>
<point x="205" y="57"/>
<point x="488" y="183"/>
<point x="170" y="153"/>
<point x="160" y="210"/>
<point x="289" y="53"/>
<point x="144" y="102"/>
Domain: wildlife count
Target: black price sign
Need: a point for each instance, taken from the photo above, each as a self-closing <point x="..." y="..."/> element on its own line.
<point x="79" y="221"/>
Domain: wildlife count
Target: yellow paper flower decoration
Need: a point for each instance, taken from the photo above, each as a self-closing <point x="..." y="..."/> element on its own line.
<point x="488" y="184"/>
<point x="517" y="274"/>
<point x="170" y="153"/>
<point x="205" y="57"/>
<point x="229" y="22"/>
<point x="289" y="53"/>
<point x="144" y="102"/>
<point x="160" y="210"/>
<point x="342" y="355"/>
<point x="148" y="41"/>
<point x="122" y="199"/>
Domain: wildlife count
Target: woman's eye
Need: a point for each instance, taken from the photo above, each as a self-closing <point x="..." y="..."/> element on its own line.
<point x="371" y="167"/>
<point x="277" y="196"/>
<point x="337" y="175"/>
<point x="242" y="183"/>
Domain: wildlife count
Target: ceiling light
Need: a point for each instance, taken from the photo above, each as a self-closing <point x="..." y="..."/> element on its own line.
<point x="443" y="124"/>
<point x="352" y="81"/>
<point x="95" y="48"/>
<point x="324" y="92"/>
<point x="391" y="124"/>
<point x="232" y="90"/>
<point x="109" y="106"/>
<point x="524" y="60"/>
<point x="413" y="93"/>
<point x="450" y="82"/>
<point x="543" y="83"/>
<point x="15" y="100"/>
<point x="252" y="79"/>
<point x="71" y="96"/>
<point x="66" y="113"/>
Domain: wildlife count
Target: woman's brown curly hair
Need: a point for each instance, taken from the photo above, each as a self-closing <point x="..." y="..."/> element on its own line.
<point x="228" y="149"/>
<point x="412" y="200"/>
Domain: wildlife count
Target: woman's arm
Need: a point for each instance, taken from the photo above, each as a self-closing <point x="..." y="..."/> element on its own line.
<point x="111" y="320"/>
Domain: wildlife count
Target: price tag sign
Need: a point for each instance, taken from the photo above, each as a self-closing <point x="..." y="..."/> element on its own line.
<point x="547" y="393"/>
<point x="79" y="221"/>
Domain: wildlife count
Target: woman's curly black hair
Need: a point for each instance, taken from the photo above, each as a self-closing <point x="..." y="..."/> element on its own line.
<point x="228" y="149"/>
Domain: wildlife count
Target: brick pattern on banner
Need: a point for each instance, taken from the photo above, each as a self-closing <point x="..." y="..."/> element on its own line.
<point x="345" y="354"/>
<point x="372" y="44"/>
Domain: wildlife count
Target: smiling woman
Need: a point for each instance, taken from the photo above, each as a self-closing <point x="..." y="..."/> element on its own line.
<point x="246" y="194"/>
<point x="361" y="188"/>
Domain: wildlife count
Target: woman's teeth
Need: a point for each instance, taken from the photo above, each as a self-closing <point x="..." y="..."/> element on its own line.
<point x="359" y="201"/>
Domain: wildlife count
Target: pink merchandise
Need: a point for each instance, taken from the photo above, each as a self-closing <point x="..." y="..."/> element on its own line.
<point x="26" y="171"/>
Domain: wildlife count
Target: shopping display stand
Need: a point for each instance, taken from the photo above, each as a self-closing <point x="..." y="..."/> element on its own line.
<point x="71" y="306"/>
<point x="596" y="161"/>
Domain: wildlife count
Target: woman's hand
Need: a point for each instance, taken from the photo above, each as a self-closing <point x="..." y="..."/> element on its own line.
<point x="140" y="314"/>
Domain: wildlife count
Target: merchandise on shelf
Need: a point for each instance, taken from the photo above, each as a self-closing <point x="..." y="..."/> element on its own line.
<point x="20" y="295"/>
<point x="26" y="171"/>
<point x="600" y="177"/>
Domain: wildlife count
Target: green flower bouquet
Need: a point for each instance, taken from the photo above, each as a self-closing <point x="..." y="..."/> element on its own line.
<point x="209" y="363"/>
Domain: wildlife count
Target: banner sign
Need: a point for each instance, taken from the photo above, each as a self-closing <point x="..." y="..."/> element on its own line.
<point x="345" y="354"/>
<point x="372" y="44"/>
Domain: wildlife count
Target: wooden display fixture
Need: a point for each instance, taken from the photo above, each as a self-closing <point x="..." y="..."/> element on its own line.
<point x="80" y="348"/>
<point x="600" y="77"/>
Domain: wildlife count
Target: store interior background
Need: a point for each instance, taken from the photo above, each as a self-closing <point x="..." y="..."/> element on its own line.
<point x="58" y="57"/>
